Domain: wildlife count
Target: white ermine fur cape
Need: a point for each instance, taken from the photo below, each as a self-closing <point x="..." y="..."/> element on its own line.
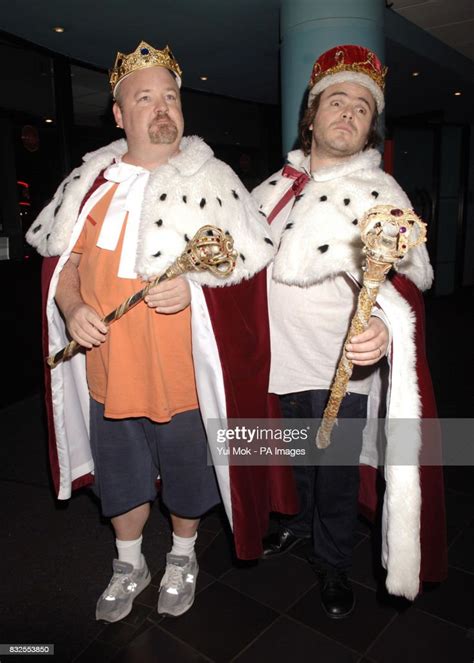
<point x="191" y="190"/>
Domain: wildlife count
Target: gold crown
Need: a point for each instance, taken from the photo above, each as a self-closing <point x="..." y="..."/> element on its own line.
<point x="143" y="56"/>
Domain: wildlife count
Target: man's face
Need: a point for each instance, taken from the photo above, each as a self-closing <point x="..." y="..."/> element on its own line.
<point x="342" y="122"/>
<point x="148" y="108"/>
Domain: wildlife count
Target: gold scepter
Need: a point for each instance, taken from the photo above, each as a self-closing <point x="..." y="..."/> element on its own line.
<point x="210" y="249"/>
<point x="387" y="233"/>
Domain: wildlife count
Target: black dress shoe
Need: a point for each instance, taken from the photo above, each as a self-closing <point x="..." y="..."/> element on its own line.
<point x="337" y="597"/>
<point x="279" y="542"/>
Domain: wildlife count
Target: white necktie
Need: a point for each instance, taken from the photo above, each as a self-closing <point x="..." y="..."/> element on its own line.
<point x="128" y="197"/>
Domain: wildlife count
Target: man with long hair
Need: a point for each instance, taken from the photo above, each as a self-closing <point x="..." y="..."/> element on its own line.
<point x="314" y="205"/>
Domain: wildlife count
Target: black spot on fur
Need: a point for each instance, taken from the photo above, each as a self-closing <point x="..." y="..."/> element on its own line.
<point x="76" y="177"/>
<point x="57" y="208"/>
<point x="273" y="182"/>
<point x="375" y="194"/>
<point x="219" y="201"/>
<point x="235" y="194"/>
<point x="323" y="199"/>
<point x="202" y="203"/>
<point x="297" y="198"/>
<point x="268" y="241"/>
<point x="186" y="238"/>
<point x="185" y="199"/>
<point x="323" y="248"/>
<point x="355" y="222"/>
<point x="227" y="232"/>
<point x="157" y="254"/>
<point x="347" y="201"/>
<point x="262" y="213"/>
<point x="35" y="230"/>
<point x="159" y="222"/>
<point x="242" y="256"/>
<point x="48" y="236"/>
<point x="289" y="225"/>
<point x="163" y="196"/>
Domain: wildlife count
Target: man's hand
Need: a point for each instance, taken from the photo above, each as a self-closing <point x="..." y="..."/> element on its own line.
<point x="82" y="322"/>
<point x="170" y="296"/>
<point x="85" y="326"/>
<point x="369" y="347"/>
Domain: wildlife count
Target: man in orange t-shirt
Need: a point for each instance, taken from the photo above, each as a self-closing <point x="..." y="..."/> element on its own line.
<point x="140" y="401"/>
<point x="140" y="371"/>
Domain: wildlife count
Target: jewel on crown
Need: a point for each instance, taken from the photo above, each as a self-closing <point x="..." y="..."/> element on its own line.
<point x="143" y="56"/>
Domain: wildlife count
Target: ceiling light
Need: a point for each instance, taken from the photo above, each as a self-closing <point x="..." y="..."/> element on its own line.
<point x="203" y="78"/>
<point x="48" y="120"/>
<point x="415" y="73"/>
<point x="457" y="94"/>
<point x="58" y="28"/>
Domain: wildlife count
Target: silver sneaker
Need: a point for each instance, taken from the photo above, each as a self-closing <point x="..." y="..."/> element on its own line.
<point x="178" y="584"/>
<point x="126" y="583"/>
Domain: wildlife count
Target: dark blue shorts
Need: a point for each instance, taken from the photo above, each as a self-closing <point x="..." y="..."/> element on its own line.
<point x="129" y="454"/>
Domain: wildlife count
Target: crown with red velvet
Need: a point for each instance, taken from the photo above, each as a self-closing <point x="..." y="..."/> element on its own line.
<point x="349" y="63"/>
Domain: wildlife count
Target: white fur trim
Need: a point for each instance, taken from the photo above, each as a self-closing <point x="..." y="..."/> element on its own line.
<point x="368" y="160"/>
<point x="401" y="551"/>
<point x="350" y="77"/>
<point x="193" y="189"/>
<point x="210" y="387"/>
<point x="322" y="217"/>
<point x="227" y="205"/>
<point x="51" y="230"/>
<point x="401" y="530"/>
<point x="69" y="391"/>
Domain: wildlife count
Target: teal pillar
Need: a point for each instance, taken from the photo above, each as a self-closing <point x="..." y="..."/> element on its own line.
<point x="310" y="27"/>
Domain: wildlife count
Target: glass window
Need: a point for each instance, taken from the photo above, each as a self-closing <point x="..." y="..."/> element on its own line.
<point x="94" y="125"/>
<point x="28" y="134"/>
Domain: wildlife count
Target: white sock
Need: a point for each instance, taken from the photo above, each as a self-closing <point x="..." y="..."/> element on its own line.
<point x="183" y="545"/>
<point x="131" y="552"/>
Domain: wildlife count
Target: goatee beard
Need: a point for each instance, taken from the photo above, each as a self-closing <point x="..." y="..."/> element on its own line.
<point x="163" y="133"/>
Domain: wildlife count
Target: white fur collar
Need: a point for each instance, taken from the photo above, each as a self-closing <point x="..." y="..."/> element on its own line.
<point x="193" y="153"/>
<point x="113" y="150"/>
<point x="319" y="234"/>
<point x="361" y="161"/>
<point x="191" y="190"/>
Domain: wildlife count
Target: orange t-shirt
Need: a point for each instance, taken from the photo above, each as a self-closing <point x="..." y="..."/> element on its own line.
<point x="144" y="368"/>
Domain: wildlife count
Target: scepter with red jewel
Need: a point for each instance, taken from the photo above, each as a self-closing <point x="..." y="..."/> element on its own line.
<point x="387" y="233"/>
